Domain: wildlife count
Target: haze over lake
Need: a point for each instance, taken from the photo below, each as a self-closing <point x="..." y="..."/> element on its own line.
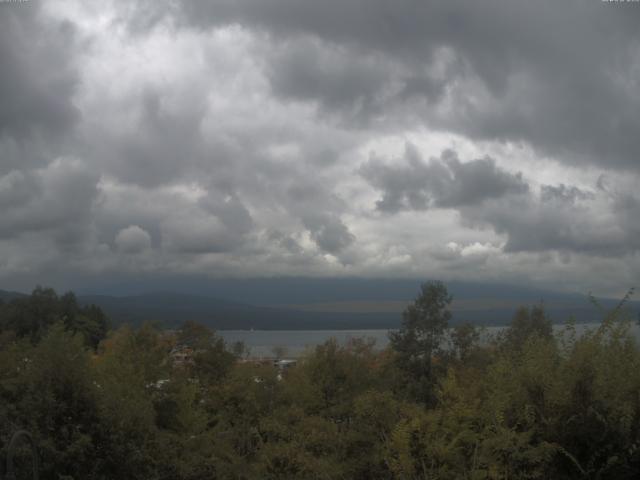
<point x="261" y="343"/>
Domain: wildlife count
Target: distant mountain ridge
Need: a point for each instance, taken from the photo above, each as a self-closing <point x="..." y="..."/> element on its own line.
<point x="171" y="309"/>
<point x="483" y="306"/>
<point x="7" y="295"/>
<point x="273" y="291"/>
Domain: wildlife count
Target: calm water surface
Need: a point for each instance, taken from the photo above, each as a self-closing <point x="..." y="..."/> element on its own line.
<point x="261" y="343"/>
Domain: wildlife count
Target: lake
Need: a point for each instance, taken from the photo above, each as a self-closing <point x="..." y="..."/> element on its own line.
<point x="261" y="343"/>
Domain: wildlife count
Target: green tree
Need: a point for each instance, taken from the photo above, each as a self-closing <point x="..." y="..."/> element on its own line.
<point x="527" y="322"/>
<point x="464" y="338"/>
<point x="47" y="389"/>
<point x="89" y="321"/>
<point x="420" y="337"/>
<point x="131" y="371"/>
<point x="338" y="374"/>
<point x="211" y="358"/>
<point x="195" y="335"/>
<point x="31" y="317"/>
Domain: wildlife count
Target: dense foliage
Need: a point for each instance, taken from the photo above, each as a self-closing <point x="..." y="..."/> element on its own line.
<point x="438" y="404"/>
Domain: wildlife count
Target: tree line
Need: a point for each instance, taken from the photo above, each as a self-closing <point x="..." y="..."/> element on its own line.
<point x="438" y="403"/>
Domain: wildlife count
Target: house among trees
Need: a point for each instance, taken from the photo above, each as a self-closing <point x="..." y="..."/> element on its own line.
<point x="182" y="355"/>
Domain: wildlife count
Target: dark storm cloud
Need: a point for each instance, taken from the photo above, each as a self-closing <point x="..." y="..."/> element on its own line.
<point x="534" y="225"/>
<point x="132" y="218"/>
<point x="557" y="217"/>
<point x="37" y="83"/>
<point x="159" y="144"/>
<point x="230" y="210"/>
<point x="290" y="245"/>
<point x="329" y="232"/>
<point x="560" y="76"/>
<point x="37" y="78"/>
<point x="45" y="193"/>
<point x="443" y="182"/>
<point x="57" y="200"/>
<point x="564" y="194"/>
<point x="163" y="144"/>
<point x="311" y="71"/>
<point x="196" y="235"/>
<point x="562" y="218"/>
<point x="319" y="211"/>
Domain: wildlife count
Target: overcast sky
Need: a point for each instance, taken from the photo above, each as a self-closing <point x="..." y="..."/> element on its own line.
<point x="485" y="141"/>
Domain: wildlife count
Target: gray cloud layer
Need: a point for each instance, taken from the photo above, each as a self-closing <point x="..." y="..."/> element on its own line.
<point x="238" y="137"/>
<point x="516" y="71"/>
